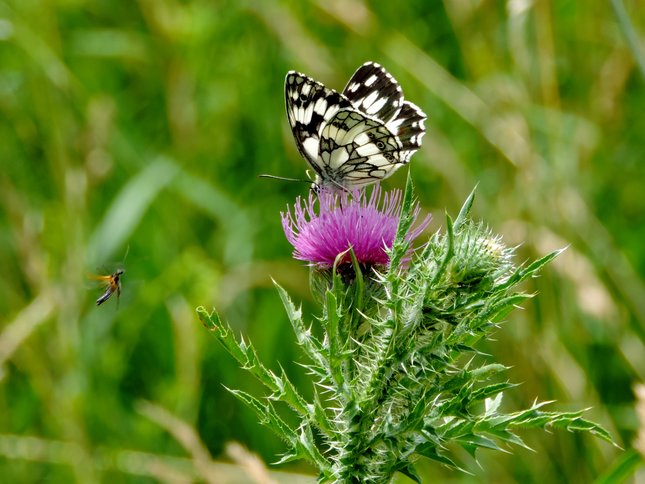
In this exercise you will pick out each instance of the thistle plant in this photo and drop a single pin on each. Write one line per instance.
(396, 374)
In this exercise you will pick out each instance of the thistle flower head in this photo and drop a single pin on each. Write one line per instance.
(480, 259)
(320, 228)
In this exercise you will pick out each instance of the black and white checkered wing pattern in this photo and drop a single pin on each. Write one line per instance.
(358, 137)
(356, 150)
(374, 91)
(310, 106)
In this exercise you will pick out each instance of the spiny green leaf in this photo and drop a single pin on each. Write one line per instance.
(359, 285)
(525, 415)
(499, 307)
(456, 428)
(493, 404)
(244, 354)
(267, 416)
(464, 213)
(319, 413)
(473, 442)
(430, 451)
(288, 457)
(448, 251)
(331, 324)
(337, 354)
(503, 307)
(486, 371)
(301, 443)
(288, 394)
(523, 273)
(406, 218)
(407, 469)
(281, 388)
(501, 434)
(305, 339)
(575, 423)
(422, 405)
(307, 443)
(490, 390)
(211, 321)
(337, 284)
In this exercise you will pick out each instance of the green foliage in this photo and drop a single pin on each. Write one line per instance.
(407, 379)
(145, 125)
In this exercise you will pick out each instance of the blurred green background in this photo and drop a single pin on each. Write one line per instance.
(140, 127)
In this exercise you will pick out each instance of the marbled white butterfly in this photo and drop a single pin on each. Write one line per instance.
(356, 137)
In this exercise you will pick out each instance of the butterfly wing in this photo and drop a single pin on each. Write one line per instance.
(310, 105)
(358, 137)
(356, 150)
(374, 91)
(408, 125)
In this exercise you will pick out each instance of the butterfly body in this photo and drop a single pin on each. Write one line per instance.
(356, 137)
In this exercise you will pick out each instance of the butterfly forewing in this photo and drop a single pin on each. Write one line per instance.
(373, 91)
(358, 137)
(309, 105)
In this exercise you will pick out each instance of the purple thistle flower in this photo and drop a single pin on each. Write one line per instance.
(343, 220)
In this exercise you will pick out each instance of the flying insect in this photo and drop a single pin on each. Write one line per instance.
(112, 285)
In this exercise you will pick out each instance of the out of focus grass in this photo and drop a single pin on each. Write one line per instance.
(144, 125)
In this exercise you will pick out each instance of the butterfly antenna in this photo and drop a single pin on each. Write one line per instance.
(274, 177)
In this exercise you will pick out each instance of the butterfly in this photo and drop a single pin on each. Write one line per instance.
(357, 137)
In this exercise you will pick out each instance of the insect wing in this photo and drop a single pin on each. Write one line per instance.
(105, 296)
(374, 91)
(309, 106)
(112, 283)
(408, 125)
(356, 150)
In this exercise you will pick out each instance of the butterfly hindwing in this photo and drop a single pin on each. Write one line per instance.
(357, 137)
(356, 150)
(408, 124)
